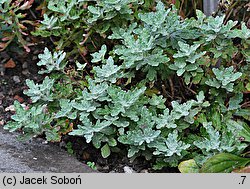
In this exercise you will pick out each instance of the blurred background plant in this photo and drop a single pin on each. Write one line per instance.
(16, 18)
(238, 10)
(187, 8)
(20, 18)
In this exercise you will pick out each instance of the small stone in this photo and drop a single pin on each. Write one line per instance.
(144, 171)
(25, 72)
(1, 122)
(16, 79)
(34, 58)
(10, 108)
(45, 142)
(105, 168)
(128, 170)
(25, 65)
(37, 52)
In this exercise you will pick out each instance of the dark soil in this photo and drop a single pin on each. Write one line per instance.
(12, 84)
(115, 163)
(12, 80)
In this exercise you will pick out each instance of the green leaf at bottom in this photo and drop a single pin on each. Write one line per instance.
(105, 150)
(188, 166)
(224, 163)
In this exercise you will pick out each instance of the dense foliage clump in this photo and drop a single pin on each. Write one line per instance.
(142, 80)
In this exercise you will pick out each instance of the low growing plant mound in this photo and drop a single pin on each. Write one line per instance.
(146, 82)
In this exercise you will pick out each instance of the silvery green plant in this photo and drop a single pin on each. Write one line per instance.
(51, 61)
(224, 78)
(40, 91)
(116, 100)
(33, 122)
(108, 9)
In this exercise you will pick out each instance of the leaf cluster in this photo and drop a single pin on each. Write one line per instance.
(117, 97)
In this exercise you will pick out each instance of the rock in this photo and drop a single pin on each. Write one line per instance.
(128, 169)
(16, 79)
(45, 142)
(36, 52)
(144, 171)
(1, 122)
(25, 72)
(34, 157)
(34, 58)
(10, 108)
(25, 65)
